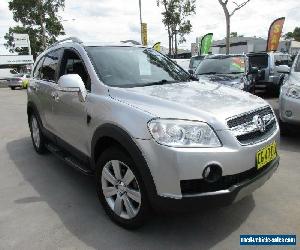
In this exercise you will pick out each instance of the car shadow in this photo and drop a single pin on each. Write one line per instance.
(73, 198)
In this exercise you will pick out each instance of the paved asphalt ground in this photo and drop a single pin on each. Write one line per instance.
(44, 204)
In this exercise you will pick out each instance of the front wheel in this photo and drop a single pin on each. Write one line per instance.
(12, 88)
(37, 137)
(120, 189)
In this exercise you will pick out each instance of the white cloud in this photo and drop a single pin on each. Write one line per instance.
(115, 20)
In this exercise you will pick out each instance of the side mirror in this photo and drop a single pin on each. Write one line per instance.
(253, 70)
(73, 83)
(284, 69)
(191, 71)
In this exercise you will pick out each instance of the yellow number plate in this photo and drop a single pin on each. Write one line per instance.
(265, 155)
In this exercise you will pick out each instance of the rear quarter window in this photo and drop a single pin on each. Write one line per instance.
(50, 65)
(36, 71)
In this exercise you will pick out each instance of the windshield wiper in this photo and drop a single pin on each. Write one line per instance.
(161, 82)
(236, 72)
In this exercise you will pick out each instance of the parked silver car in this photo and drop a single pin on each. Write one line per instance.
(152, 136)
(267, 62)
(289, 100)
(230, 70)
(17, 81)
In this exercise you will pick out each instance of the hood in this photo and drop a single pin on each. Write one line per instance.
(201, 101)
(226, 79)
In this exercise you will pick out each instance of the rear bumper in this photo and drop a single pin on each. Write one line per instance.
(218, 198)
(270, 81)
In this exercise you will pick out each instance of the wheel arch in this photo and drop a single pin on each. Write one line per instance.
(32, 109)
(111, 135)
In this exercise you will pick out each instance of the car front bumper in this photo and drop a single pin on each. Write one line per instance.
(171, 166)
(217, 198)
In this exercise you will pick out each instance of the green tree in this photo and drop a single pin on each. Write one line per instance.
(39, 19)
(296, 34)
(175, 18)
(288, 35)
(235, 34)
(293, 35)
(228, 15)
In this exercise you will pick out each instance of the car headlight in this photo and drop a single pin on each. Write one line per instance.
(182, 133)
(293, 91)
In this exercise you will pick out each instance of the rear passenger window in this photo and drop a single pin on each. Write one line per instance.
(50, 65)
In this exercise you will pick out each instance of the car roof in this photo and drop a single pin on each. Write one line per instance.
(266, 53)
(77, 42)
(223, 56)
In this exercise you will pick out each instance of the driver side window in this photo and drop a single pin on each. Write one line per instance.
(72, 64)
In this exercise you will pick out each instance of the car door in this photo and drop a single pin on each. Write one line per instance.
(69, 113)
(44, 85)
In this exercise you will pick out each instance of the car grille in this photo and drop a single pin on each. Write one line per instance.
(246, 128)
(198, 186)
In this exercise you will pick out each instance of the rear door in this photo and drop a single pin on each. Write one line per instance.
(46, 86)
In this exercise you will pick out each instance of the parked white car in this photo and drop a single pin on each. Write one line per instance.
(289, 100)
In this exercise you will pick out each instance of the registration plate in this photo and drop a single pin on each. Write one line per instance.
(266, 155)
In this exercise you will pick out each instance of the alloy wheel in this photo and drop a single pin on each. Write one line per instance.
(120, 189)
(35, 132)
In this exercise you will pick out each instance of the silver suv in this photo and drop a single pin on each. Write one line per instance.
(152, 136)
(267, 62)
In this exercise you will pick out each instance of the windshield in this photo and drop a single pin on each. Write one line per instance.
(195, 61)
(134, 67)
(222, 65)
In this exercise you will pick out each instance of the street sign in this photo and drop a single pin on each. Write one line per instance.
(144, 34)
(15, 60)
(21, 40)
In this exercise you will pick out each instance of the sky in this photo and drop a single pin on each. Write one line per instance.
(116, 20)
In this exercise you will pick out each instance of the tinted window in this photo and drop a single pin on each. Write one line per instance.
(132, 66)
(36, 72)
(49, 68)
(259, 61)
(222, 65)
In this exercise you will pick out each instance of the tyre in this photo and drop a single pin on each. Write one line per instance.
(12, 88)
(120, 189)
(37, 137)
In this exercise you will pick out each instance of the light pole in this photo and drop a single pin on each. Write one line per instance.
(140, 7)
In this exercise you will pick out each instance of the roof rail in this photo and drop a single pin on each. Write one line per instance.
(72, 39)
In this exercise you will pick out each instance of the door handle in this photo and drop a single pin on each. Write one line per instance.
(55, 96)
